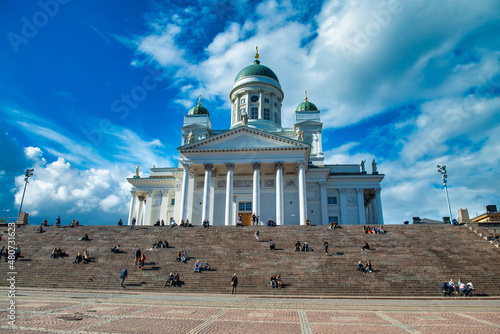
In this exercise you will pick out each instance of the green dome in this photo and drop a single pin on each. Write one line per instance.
(198, 110)
(306, 106)
(256, 69)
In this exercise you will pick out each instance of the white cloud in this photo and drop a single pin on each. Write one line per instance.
(92, 196)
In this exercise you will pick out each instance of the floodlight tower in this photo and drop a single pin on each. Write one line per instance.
(442, 171)
(29, 172)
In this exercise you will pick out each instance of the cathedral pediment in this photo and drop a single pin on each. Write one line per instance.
(244, 139)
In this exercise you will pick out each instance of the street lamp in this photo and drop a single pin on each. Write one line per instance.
(442, 171)
(29, 172)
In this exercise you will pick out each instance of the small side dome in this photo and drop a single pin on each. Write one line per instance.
(306, 106)
(198, 109)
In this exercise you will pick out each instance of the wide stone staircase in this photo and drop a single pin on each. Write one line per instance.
(409, 260)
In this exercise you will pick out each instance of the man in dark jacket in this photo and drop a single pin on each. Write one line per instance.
(234, 284)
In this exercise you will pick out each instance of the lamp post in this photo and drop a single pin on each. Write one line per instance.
(29, 172)
(442, 171)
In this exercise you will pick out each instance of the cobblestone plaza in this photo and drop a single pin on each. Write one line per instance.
(95, 312)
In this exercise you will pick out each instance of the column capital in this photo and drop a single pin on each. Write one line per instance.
(186, 166)
(149, 193)
(322, 184)
(208, 167)
(301, 164)
(377, 190)
(164, 192)
(256, 165)
(360, 190)
(229, 166)
(278, 165)
(343, 191)
(133, 192)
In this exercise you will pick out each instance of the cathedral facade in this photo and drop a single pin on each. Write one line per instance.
(256, 167)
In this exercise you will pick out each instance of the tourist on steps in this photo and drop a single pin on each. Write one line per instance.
(365, 246)
(361, 268)
(325, 244)
(123, 275)
(234, 284)
(137, 255)
(369, 267)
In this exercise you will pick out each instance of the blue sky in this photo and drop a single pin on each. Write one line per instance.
(89, 89)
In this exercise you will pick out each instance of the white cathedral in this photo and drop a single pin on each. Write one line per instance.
(256, 167)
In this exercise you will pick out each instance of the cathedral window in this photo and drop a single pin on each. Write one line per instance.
(266, 100)
(267, 115)
(172, 201)
(275, 117)
(332, 200)
(242, 101)
(254, 113)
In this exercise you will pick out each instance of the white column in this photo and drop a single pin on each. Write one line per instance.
(164, 206)
(370, 212)
(190, 196)
(149, 206)
(324, 203)
(238, 114)
(261, 112)
(361, 205)
(206, 191)
(343, 206)
(378, 202)
(302, 193)
(367, 214)
(229, 193)
(256, 188)
(279, 193)
(184, 193)
(212, 195)
(139, 214)
(133, 204)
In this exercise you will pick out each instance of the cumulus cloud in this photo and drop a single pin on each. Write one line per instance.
(93, 196)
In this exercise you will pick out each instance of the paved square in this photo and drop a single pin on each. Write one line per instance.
(144, 313)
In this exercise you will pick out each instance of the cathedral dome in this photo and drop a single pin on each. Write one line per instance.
(198, 109)
(306, 106)
(256, 69)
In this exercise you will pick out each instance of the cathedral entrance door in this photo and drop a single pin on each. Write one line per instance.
(246, 218)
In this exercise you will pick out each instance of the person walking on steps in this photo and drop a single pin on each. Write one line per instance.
(325, 244)
(123, 275)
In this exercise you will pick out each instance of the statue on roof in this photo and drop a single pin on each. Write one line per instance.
(190, 137)
(137, 170)
(244, 119)
(374, 167)
(299, 135)
(363, 166)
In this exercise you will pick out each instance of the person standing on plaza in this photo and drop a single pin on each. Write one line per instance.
(132, 224)
(234, 284)
(123, 275)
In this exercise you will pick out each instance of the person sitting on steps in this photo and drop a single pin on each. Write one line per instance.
(305, 247)
(184, 256)
(170, 280)
(361, 268)
(86, 257)
(272, 281)
(176, 282)
(365, 246)
(278, 281)
(369, 267)
(272, 245)
(297, 246)
(78, 259)
(179, 256)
